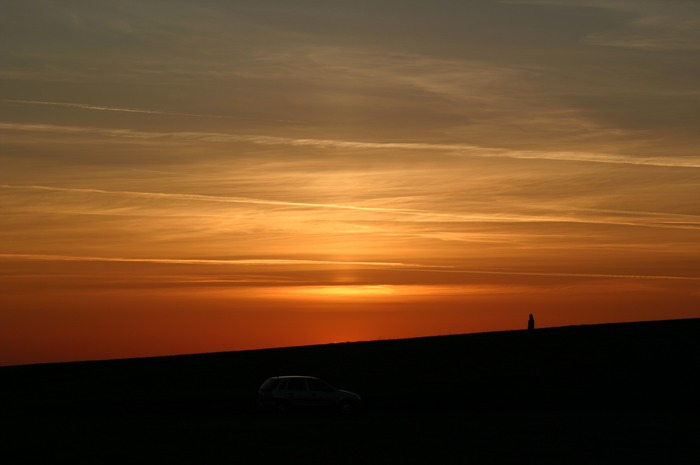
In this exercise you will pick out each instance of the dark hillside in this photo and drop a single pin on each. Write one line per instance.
(588, 394)
(609, 366)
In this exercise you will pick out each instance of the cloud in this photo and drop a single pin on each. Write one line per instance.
(391, 222)
(85, 106)
(651, 25)
(291, 262)
(465, 150)
(173, 261)
(146, 111)
(571, 275)
(210, 198)
(463, 98)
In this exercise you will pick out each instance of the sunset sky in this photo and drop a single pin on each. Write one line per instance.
(186, 176)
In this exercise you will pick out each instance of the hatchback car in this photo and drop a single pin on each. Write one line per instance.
(283, 393)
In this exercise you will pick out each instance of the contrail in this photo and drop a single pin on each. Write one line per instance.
(87, 106)
(565, 275)
(636, 212)
(212, 198)
(412, 267)
(176, 261)
(465, 150)
(427, 215)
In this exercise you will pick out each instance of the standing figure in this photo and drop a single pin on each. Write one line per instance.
(531, 323)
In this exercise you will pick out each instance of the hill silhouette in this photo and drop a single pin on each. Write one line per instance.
(608, 391)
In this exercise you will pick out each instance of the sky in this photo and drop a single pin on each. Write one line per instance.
(189, 176)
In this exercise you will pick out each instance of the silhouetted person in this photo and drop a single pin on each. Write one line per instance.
(531, 323)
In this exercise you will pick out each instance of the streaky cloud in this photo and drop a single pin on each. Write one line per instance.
(412, 267)
(211, 198)
(425, 216)
(246, 261)
(636, 212)
(653, 25)
(565, 275)
(466, 150)
(87, 106)
(147, 111)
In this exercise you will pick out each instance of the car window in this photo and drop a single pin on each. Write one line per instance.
(318, 385)
(296, 385)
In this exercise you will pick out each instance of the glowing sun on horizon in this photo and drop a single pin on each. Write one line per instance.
(349, 291)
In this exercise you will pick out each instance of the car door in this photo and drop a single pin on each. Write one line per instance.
(321, 394)
(297, 392)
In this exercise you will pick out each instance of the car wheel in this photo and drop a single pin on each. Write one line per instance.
(348, 407)
(283, 407)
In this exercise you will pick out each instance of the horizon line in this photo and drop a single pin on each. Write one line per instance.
(324, 344)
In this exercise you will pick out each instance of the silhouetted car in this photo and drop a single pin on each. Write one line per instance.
(283, 393)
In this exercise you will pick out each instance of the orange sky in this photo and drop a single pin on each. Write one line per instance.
(211, 176)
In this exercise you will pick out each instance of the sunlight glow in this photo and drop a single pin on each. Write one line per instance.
(346, 291)
(323, 173)
(381, 292)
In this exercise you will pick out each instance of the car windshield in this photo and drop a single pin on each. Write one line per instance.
(269, 384)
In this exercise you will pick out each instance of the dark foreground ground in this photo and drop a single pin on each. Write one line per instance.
(603, 394)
